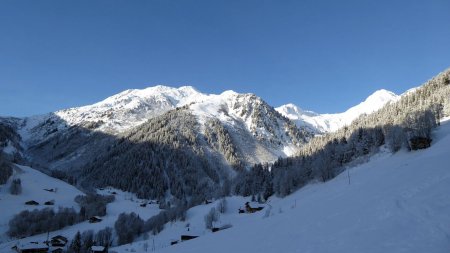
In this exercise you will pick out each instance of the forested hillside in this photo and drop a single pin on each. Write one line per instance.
(9, 148)
(166, 155)
(405, 124)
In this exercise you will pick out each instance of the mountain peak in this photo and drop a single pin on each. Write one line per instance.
(229, 93)
(381, 95)
(372, 103)
(290, 110)
(332, 122)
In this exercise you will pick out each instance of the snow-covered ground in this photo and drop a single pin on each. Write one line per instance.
(33, 184)
(394, 203)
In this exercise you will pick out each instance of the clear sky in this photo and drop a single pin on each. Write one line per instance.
(321, 55)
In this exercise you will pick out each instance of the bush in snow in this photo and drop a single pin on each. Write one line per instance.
(211, 217)
(128, 227)
(178, 212)
(104, 237)
(93, 205)
(28, 223)
(87, 240)
(222, 206)
(16, 187)
(5, 169)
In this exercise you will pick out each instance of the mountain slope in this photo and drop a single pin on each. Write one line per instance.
(256, 131)
(394, 203)
(33, 185)
(113, 115)
(192, 150)
(323, 123)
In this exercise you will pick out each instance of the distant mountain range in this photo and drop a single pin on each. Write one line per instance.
(259, 132)
(176, 138)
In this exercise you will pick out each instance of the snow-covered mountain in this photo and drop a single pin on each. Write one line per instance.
(257, 131)
(323, 123)
(131, 107)
(113, 115)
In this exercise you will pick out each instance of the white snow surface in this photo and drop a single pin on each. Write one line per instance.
(323, 123)
(394, 203)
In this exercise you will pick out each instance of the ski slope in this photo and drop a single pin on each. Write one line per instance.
(394, 203)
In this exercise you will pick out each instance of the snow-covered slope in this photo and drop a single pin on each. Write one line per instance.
(322, 123)
(260, 132)
(33, 185)
(394, 203)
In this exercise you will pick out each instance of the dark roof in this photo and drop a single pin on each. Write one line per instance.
(32, 202)
(59, 237)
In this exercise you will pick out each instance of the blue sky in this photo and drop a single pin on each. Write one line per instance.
(321, 55)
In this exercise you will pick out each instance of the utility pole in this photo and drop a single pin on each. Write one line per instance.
(348, 175)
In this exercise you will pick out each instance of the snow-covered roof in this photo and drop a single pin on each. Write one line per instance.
(97, 248)
(33, 246)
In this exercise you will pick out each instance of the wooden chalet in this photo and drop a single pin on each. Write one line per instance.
(188, 237)
(98, 249)
(32, 203)
(250, 209)
(94, 219)
(59, 241)
(49, 203)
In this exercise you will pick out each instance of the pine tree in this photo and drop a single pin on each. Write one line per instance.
(75, 245)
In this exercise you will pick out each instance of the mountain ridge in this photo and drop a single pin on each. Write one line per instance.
(330, 122)
(260, 132)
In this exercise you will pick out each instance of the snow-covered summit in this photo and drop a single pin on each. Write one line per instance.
(133, 97)
(331, 122)
(131, 107)
(294, 111)
(114, 114)
(373, 103)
